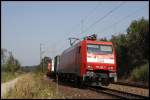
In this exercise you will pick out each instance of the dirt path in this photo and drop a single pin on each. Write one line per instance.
(5, 87)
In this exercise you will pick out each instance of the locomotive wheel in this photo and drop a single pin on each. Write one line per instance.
(105, 82)
(80, 83)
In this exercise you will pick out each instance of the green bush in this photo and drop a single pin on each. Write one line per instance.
(141, 73)
(6, 76)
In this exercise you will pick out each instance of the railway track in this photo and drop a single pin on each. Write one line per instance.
(132, 84)
(112, 92)
(117, 93)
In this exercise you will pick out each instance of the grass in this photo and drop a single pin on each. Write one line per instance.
(141, 73)
(7, 76)
(32, 86)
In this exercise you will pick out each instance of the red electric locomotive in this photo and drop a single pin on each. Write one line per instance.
(90, 62)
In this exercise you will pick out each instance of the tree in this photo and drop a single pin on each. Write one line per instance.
(132, 48)
(3, 55)
(103, 39)
(121, 50)
(138, 41)
(12, 64)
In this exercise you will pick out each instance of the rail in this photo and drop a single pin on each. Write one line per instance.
(112, 92)
(117, 93)
(132, 84)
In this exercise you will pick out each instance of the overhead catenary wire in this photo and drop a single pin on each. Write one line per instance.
(103, 17)
(77, 25)
(85, 17)
(62, 40)
(123, 19)
(96, 22)
(90, 12)
(120, 32)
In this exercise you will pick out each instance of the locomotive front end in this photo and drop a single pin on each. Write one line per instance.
(101, 63)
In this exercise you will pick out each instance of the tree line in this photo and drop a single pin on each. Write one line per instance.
(133, 47)
(8, 62)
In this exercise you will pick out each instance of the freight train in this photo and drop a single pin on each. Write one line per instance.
(88, 62)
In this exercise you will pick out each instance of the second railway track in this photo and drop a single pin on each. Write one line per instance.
(112, 92)
(117, 93)
(132, 84)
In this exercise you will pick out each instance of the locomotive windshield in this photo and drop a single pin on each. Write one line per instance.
(99, 49)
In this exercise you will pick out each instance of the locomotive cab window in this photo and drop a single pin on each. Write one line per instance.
(102, 49)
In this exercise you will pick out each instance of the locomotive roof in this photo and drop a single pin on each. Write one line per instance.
(87, 41)
(99, 42)
(72, 47)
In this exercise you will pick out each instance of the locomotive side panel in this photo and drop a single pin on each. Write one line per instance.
(70, 61)
(83, 59)
(78, 60)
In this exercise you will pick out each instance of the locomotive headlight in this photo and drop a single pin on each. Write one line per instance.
(90, 67)
(97, 66)
(101, 67)
(110, 68)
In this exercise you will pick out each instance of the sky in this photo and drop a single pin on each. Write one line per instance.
(27, 24)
